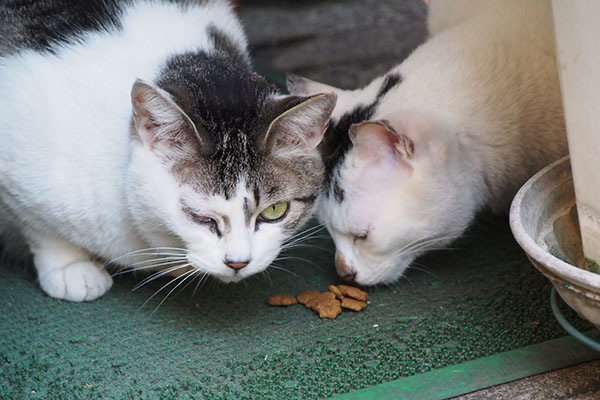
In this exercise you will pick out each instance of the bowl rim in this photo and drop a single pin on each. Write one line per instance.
(564, 270)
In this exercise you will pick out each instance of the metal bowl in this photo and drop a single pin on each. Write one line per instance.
(543, 219)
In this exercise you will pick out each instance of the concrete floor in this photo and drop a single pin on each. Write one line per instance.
(581, 382)
(347, 43)
(343, 42)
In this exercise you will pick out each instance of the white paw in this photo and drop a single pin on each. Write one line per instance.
(79, 281)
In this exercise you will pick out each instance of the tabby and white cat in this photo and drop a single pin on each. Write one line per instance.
(457, 127)
(139, 124)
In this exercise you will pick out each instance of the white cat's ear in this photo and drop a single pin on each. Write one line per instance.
(377, 141)
(299, 86)
(159, 121)
(301, 127)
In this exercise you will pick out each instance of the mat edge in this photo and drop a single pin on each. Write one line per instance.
(481, 373)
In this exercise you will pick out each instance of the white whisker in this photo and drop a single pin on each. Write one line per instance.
(164, 286)
(310, 246)
(196, 273)
(159, 274)
(299, 259)
(151, 264)
(422, 249)
(308, 230)
(304, 240)
(312, 236)
(422, 268)
(284, 270)
(267, 276)
(201, 281)
(187, 275)
(304, 235)
(150, 251)
(421, 244)
(149, 267)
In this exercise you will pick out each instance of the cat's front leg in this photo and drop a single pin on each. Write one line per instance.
(66, 271)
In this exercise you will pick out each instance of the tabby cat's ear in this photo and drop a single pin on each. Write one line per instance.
(161, 124)
(376, 141)
(300, 86)
(301, 127)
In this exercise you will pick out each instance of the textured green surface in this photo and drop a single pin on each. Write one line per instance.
(479, 299)
(481, 373)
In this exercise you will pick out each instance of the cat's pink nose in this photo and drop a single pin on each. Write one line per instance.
(342, 268)
(237, 265)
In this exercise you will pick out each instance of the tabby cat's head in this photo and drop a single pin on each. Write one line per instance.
(227, 172)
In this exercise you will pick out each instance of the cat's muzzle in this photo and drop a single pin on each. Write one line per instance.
(343, 269)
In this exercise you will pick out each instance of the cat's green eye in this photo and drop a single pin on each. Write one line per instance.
(274, 212)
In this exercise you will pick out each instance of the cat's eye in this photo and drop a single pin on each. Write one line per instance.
(361, 236)
(203, 220)
(274, 212)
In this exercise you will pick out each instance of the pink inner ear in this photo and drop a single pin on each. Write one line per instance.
(373, 142)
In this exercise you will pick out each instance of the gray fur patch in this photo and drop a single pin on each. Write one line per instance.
(232, 109)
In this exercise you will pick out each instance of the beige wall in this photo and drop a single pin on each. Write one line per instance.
(577, 33)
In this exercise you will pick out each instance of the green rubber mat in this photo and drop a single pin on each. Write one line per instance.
(483, 373)
(478, 299)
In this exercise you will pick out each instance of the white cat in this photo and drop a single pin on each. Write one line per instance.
(136, 131)
(457, 127)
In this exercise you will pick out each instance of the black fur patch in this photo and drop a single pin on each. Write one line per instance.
(389, 82)
(247, 211)
(337, 143)
(224, 44)
(43, 24)
(338, 192)
(307, 199)
(226, 100)
(256, 195)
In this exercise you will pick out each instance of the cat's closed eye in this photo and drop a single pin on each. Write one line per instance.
(360, 236)
(211, 223)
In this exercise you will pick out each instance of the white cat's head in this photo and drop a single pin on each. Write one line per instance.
(394, 188)
(226, 177)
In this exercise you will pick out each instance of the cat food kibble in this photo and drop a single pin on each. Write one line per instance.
(354, 305)
(351, 291)
(333, 289)
(328, 308)
(318, 298)
(304, 297)
(327, 304)
(281, 300)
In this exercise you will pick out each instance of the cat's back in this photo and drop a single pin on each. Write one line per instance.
(480, 52)
(489, 76)
(67, 67)
(43, 24)
(66, 76)
(66, 72)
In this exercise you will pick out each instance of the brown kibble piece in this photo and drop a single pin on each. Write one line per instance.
(354, 305)
(326, 304)
(281, 300)
(333, 289)
(317, 298)
(329, 309)
(304, 297)
(354, 292)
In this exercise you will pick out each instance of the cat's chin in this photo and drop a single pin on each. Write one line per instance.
(229, 278)
(365, 280)
(382, 274)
